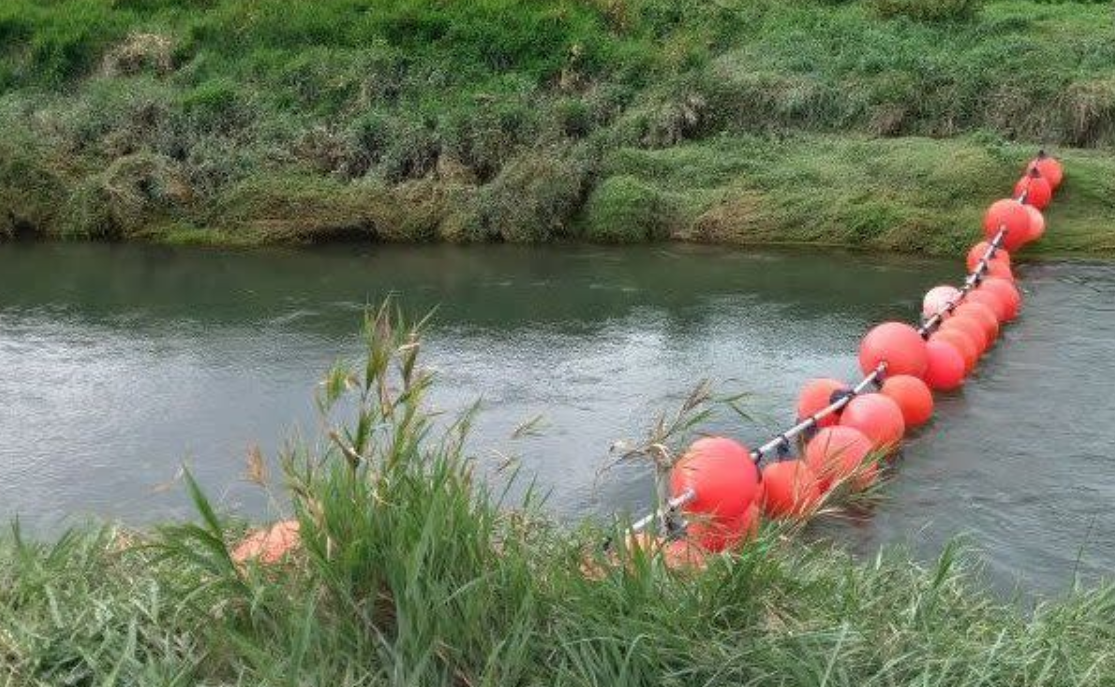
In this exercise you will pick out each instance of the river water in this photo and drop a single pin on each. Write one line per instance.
(120, 363)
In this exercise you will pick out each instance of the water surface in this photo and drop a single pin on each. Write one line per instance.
(120, 362)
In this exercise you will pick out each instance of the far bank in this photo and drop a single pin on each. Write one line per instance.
(872, 124)
(912, 195)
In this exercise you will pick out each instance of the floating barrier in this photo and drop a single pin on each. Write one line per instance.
(1010, 219)
(817, 394)
(913, 397)
(878, 417)
(1048, 167)
(962, 342)
(838, 453)
(946, 370)
(725, 484)
(790, 488)
(1037, 190)
(717, 489)
(898, 345)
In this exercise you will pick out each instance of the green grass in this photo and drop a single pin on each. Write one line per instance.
(908, 194)
(298, 120)
(411, 573)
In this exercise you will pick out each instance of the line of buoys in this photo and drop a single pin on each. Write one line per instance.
(717, 492)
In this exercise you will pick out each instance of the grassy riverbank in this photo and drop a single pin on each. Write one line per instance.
(411, 574)
(877, 123)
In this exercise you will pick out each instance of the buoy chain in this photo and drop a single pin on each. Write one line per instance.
(972, 281)
(728, 474)
(837, 404)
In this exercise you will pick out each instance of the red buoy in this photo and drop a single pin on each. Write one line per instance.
(946, 366)
(999, 268)
(898, 345)
(718, 535)
(912, 396)
(878, 417)
(1037, 189)
(976, 253)
(963, 343)
(790, 489)
(1007, 213)
(1005, 290)
(1037, 223)
(982, 314)
(992, 300)
(750, 522)
(972, 328)
(683, 554)
(817, 394)
(726, 483)
(837, 453)
(1049, 168)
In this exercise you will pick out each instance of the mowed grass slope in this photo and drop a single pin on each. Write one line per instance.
(298, 120)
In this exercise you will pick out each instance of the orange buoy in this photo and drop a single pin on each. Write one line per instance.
(676, 554)
(878, 417)
(714, 534)
(998, 268)
(982, 314)
(790, 489)
(837, 453)
(1037, 189)
(1049, 168)
(937, 299)
(912, 396)
(898, 345)
(726, 482)
(946, 366)
(818, 394)
(1005, 290)
(751, 521)
(992, 300)
(976, 253)
(1007, 213)
(963, 343)
(1037, 223)
(269, 546)
(683, 554)
(972, 328)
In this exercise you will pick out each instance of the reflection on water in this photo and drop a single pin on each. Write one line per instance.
(119, 362)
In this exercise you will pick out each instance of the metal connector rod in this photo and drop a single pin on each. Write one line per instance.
(672, 506)
(813, 420)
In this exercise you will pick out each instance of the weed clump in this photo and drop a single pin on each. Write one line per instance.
(928, 10)
(622, 209)
(535, 198)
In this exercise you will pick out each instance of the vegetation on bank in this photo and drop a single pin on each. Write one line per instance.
(610, 120)
(410, 573)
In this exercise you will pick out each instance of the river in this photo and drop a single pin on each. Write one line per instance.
(119, 363)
